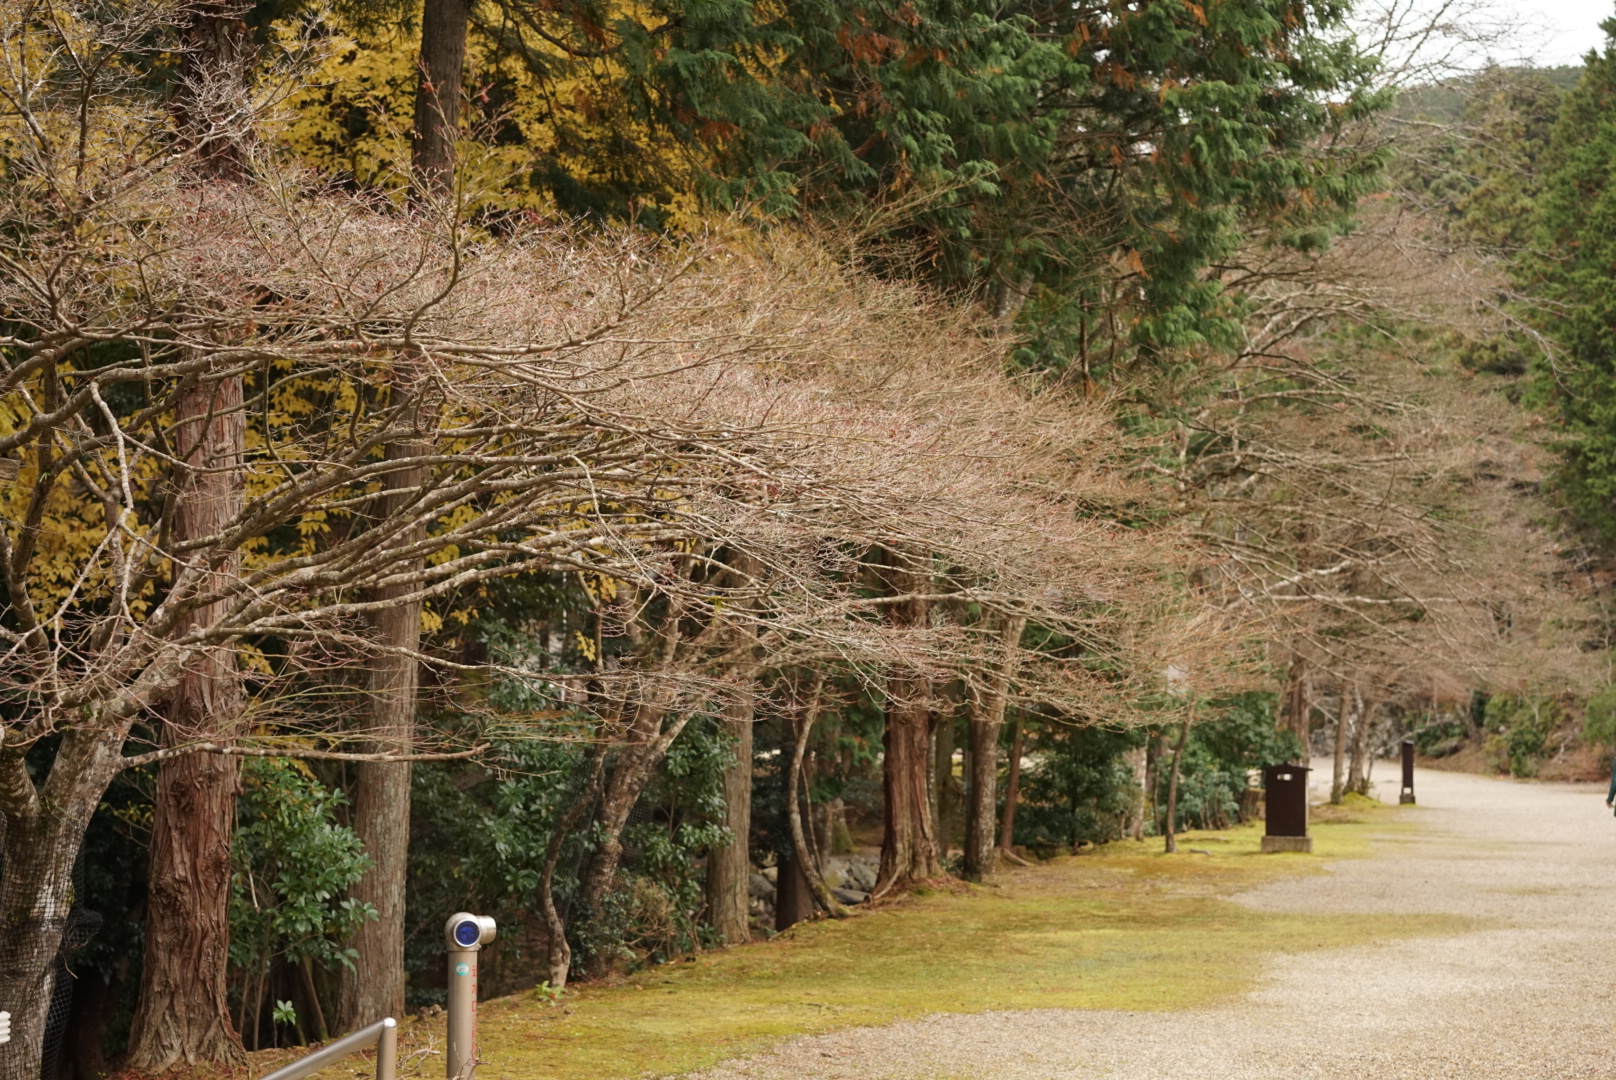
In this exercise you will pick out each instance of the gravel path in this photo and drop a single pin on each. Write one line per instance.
(1530, 994)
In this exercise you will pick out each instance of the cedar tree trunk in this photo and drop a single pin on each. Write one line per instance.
(793, 903)
(986, 720)
(908, 845)
(1012, 789)
(182, 1014)
(437, 95)
(374, 987)
(729, 868)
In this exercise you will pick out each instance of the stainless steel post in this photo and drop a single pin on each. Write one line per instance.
(466, 934)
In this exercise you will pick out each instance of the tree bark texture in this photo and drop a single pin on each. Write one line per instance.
(793, 902)
(374, 987)
(908, 846)
(945, 795)
(437, 95)
(1171, 829)
(182, 1014)
(636, 762)
(559, 953)
(1139, 768)
(40, 843)
(804, 857)
(1297, 703)
(1357, 772)
(1012, 789)
(729, 868)
(1338, 779)
(986, 719)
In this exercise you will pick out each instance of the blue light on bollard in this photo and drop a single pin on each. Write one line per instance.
(465, 934)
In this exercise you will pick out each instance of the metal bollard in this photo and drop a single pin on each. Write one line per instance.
(1406, 796)
(466, 934)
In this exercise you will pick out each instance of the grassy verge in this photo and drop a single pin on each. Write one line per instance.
(1124, 928)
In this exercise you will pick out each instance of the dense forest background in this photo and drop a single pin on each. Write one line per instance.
(657, 473)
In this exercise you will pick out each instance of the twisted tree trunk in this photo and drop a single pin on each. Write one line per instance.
(559, 953)
(802, 856)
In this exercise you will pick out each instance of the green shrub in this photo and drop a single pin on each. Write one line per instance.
(1518, 731)
(1599, 721)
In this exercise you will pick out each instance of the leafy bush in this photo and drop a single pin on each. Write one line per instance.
(1518, 731)
(1599, 721)
(1440, 739)
(1077, 786)
(293, 862)
(1239, 736)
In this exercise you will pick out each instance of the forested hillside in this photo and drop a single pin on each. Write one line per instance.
(656, 474)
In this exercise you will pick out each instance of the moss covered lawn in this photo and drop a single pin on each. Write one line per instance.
(1125, 927)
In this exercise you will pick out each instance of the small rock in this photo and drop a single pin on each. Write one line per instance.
(770, 873)
(850, 896)
(760, 887)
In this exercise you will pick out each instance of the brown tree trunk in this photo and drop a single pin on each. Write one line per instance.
(943, 796)
(182, 1014)
(374, 987)
(1171, 829)
(437, 95)
(803, 856)
(1338, 779)
(1012, 789)
(636, 762)
(559, 953)
(793, 903)
(1153, 742)
(1357, 773)
(40, 842)
(729, 868)
(986, 718)
(1139, 768)
(908, 846)
(1297, 705)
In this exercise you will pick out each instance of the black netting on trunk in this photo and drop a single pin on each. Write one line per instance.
(82, 925)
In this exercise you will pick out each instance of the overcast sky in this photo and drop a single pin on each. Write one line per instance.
(1569, 28)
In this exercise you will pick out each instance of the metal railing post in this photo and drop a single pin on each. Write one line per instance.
(466, 934)
(383, 1034)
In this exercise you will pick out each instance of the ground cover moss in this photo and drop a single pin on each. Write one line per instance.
(1126, 927)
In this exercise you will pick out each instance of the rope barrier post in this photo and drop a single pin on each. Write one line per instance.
(466, 934)
(383, 1034)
